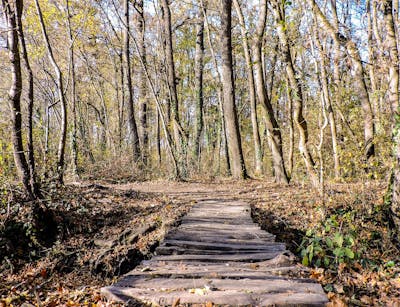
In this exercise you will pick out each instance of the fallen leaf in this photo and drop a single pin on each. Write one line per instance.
(176, 302)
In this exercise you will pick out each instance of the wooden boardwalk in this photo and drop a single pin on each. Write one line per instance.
(218, 256)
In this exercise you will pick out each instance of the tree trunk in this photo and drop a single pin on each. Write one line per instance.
(14, 95)
(359, 81)
(133, 133)
(297, 94)
(252, 93)
(219, 94)
(291, 129)
(393, 96)
(60, 88)
(171, 78)
(74, 143)
(328, 104)
(274, 132)
(199, 67)
(231, 119)
(142, 93)
(31, 153)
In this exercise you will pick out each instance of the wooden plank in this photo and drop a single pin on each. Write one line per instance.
(175, 250)
(221, 246)
(219, 220)
(293, 299)
(256, 285)
(226, 298)
(225, 238)
(278, 261)
(230, 298)
(221, 272)
(218, 258)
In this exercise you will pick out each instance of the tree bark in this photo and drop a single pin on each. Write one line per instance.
(60, 89)
(31, 154)
(219, 94)
(360, 84)
(74, 143)
(231, 119)
(133, 133)
(199, 68)
(142, 90)
(252, 93)
(393, 97)
(274, 132)
(328, 112)
(297, 94)
(171, 78)
(10, 9)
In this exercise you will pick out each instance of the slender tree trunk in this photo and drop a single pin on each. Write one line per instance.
(328, 104)
(158, 139)
(142, 93)
(133, 133)
(231, 119)
(171, 78)
(10, 9)
(60, 88)
(291, 128)
(297, 94)
(31, 153)
(372, 59)
(74, 143)
(274, 132)
(163, 118)
(224, 138)
(252, 93)
(359, 81)
(122, 104)
(393, 96)
(199, 67)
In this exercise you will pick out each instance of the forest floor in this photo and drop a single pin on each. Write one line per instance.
(91, 233)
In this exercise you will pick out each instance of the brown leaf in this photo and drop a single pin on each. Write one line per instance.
(43, 273)
(176, 302)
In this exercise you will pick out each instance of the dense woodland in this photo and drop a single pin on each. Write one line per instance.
(304, 92)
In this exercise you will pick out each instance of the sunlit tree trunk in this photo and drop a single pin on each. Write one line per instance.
(359, 81)
(199, 70)
(10, 9)
(171, 78)
(296, 92)
(252, 93)
(74, 142)
(274, 132)
(133, 133)
(223, 134)
(61, 97)
(142, 89)
(393, 97)
(231, 119)
(328, 103)
(31, 153)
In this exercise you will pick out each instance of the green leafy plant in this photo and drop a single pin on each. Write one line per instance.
(327, 245)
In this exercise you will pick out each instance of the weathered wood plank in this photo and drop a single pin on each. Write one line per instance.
(209, 285)
(224, 272)
(174, 250)
(221, 246)
(219, 258)
(226, 298)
